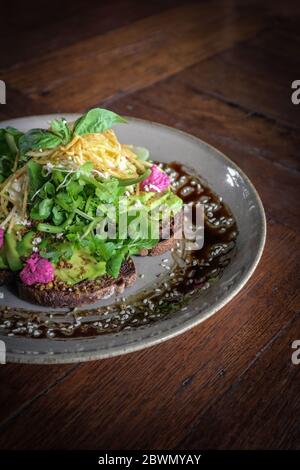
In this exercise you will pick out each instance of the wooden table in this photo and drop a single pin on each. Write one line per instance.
(223, 72)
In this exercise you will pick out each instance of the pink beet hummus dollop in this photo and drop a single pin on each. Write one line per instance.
(37, 270)
(156, 181)
(1, 237)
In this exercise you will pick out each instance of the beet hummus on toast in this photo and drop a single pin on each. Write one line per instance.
(64, 194)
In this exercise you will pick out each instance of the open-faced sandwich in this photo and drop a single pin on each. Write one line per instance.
(64, 194)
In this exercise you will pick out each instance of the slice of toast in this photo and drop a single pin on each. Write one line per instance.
(85, 292)
(167, 244)
(162, 247)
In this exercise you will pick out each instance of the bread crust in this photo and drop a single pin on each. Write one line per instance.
(162, 247)
(165, 245)
(85, 292)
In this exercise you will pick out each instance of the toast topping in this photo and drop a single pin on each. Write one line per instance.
(157, 181)
(37, 270)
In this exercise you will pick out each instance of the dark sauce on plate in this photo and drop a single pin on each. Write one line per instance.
(192, 273)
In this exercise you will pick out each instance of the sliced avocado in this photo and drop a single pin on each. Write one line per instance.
(11, 253)
(82, 267)
(141, 152)
(24, 247)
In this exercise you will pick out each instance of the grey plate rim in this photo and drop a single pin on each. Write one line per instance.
(81, 356)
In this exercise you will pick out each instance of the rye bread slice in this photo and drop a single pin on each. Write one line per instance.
(167, 244)
(85, 292)
(162, 247)
(6, 276)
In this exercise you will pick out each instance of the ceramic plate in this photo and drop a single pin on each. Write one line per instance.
(226, 180)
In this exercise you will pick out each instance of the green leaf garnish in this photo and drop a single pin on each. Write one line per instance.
(96, 120)
(38, 139)
(60, 128)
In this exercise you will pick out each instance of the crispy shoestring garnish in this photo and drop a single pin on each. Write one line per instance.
(108, 156)
(103, 150)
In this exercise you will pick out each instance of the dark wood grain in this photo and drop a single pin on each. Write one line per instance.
(31, 34)
(256, 75)
(267, 152)
(140, 54)
(153, 398)
(221, 71)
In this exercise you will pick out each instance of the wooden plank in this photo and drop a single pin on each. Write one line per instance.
(30, 34)
(105, 405)
(259, 409)
(18, 105)
(255, 75)
(21, 384)
(132, 57)
(265, 151)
